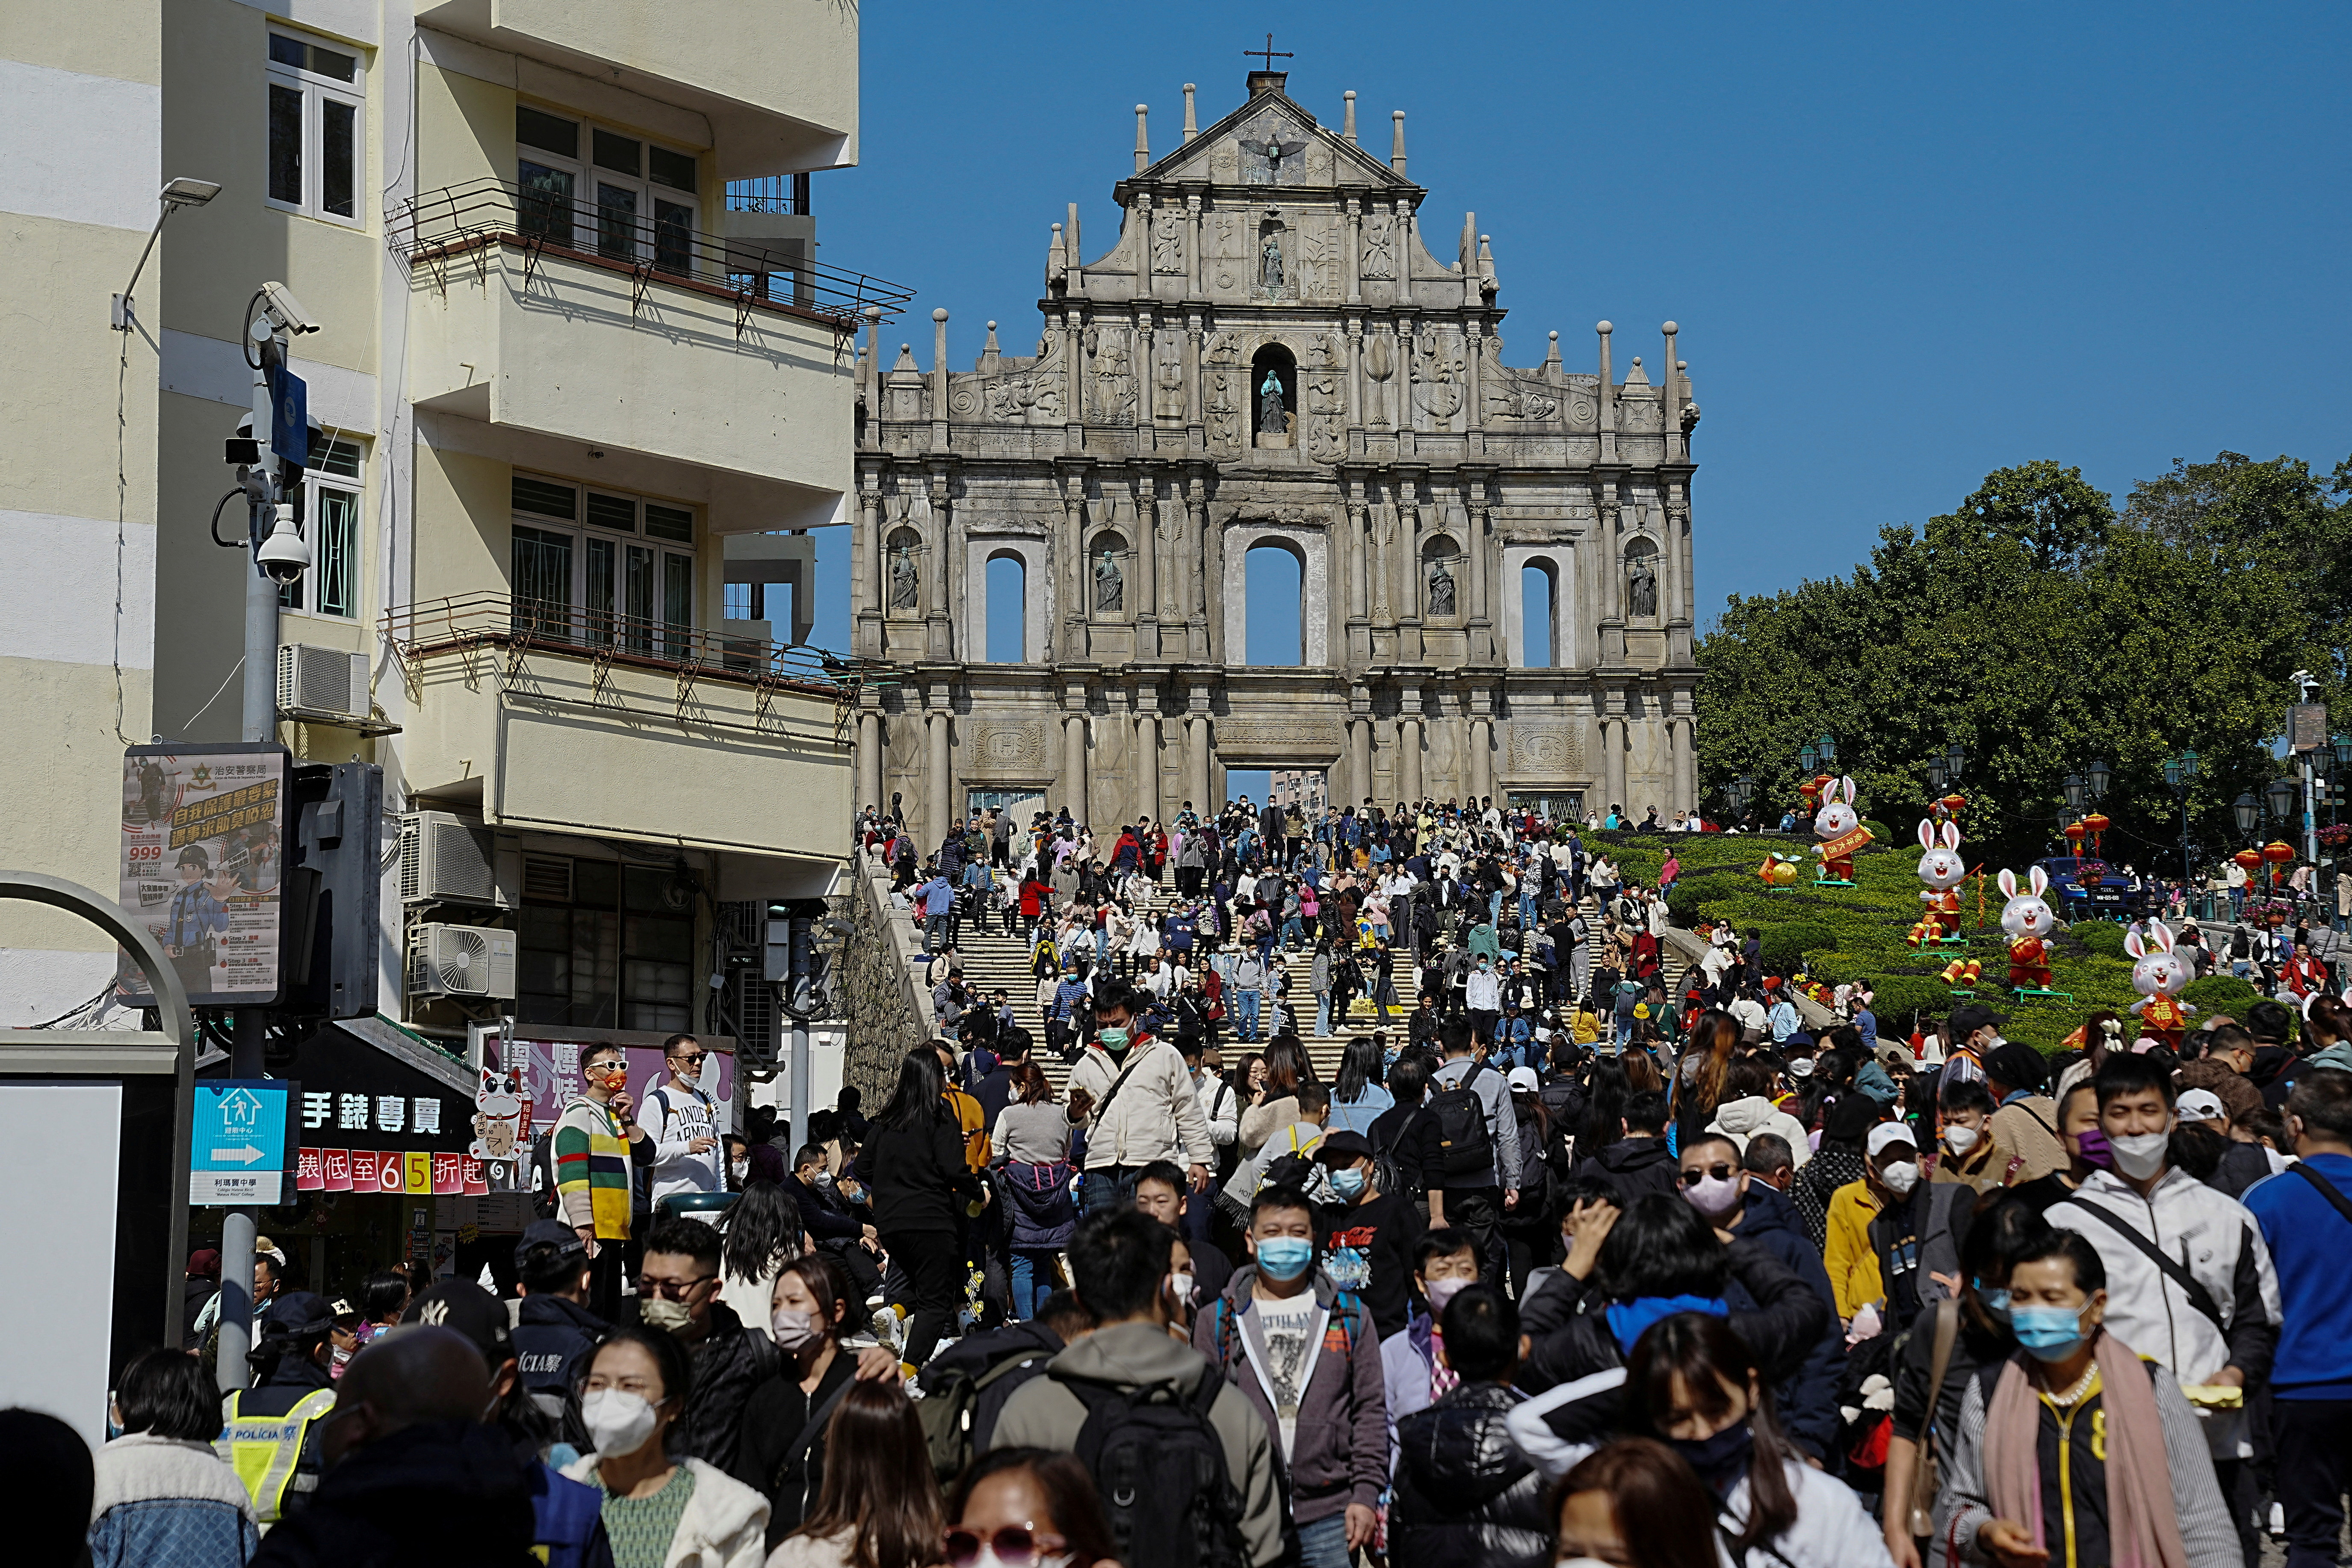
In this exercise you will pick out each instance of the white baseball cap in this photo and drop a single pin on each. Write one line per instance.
(1887, 1134)
(2202, 1105)
(1524, 1078)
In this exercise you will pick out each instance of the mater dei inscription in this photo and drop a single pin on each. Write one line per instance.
(1281, 346)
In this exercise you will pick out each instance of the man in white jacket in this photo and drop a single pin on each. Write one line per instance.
(2190, 1281)
(1137, 1100)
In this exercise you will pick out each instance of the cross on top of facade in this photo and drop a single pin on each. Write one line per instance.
(1269, 53)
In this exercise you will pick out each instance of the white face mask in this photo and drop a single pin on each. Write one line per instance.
(1181, 1286)
(1900, 1177)
(618, 1422)
(739, 1167)
(2140, 1155)
(1959, 1139)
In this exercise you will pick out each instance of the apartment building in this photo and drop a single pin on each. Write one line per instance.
(580, 381)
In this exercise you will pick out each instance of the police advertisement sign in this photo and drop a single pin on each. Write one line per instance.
(203, 860)
(238, 1143)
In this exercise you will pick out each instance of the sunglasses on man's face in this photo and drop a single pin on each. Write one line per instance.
(1015, 1546)
(1720, 1172)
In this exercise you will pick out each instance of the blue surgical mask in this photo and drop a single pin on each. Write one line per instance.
(1994, 1302)
(1285, 1257)
(2048, 1333)
(1348, 1184)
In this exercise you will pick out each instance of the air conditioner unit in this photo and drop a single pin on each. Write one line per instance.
(462, 960)
(448, 858)
(329, 682)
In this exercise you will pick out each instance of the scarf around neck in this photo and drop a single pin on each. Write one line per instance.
(2143, 1530)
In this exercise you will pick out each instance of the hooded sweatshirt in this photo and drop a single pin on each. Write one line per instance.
(1740, 1120)
(1339, 1454)
(1045, 1413)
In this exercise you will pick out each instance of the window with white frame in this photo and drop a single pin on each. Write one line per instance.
(330, 513)
(603, 567)
(594, 188)
(317, 116)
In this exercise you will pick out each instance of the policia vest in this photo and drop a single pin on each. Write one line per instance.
(266, 1450)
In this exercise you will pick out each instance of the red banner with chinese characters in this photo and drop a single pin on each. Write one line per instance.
(1845, 843)
(439, 1172)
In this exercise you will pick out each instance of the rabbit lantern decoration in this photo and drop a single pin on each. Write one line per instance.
(2029, 922)
(1839, 827)
(1942, 868)
(2160, 976)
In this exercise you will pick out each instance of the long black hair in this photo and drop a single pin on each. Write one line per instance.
(916, 1104)
(1702, 1353)
(1359, 1067)
(1604, 1109)
(763, 1229)
(1661, 1246)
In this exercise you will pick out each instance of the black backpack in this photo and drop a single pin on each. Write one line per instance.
(1466, 1147)
(1159, 1469)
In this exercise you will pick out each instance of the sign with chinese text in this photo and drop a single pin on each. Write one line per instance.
(203, 854)
(238, 1148)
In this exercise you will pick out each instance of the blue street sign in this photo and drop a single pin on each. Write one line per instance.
(289, 416)
(238, 1152)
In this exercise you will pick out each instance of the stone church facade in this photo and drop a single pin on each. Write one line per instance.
(1270, 355)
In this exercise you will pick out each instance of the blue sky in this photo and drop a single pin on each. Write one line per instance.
(1903, 248)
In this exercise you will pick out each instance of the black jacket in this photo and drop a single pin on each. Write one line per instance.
(823, 1215)
(770, 1458)
(445, 1492)
(1635, 1167)
(1567, 1326)
(918, 1176)
(551, 1334)
(1464, 1493)
(976, 1354)
(1806, 1401)
(730, 1363)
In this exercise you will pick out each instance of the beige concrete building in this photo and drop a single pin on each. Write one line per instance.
(579, 377)
(1275, 351)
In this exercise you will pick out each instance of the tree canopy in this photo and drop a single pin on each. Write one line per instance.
(2041, 628)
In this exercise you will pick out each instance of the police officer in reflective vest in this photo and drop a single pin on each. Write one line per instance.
(271, 1433)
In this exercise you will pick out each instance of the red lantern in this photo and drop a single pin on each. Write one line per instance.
(2277, 852)
(2075, 831)
(1953, 802)
(2249, 860)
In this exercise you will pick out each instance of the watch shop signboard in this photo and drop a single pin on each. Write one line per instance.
(371, 1123)
(203, 856)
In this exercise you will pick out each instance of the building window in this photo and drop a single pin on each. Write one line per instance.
(603, 567)
(316, 115)
(604, 946)
(580, 183)
(330, 514)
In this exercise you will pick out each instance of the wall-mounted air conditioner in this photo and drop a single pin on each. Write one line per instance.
(462, 960)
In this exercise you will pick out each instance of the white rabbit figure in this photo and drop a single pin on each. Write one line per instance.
(1839, 827)
(2160, 975)
(1942, 868)
(2029, 922)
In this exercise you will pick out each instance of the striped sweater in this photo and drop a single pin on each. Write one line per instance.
(593, 1168)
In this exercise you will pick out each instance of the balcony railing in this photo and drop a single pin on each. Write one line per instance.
(522, 625)
(786, 193)
(435, 226)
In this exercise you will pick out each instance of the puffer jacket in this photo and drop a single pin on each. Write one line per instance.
(1740, 1120)
(1783, 1329)
(2218, 1240)
(728, 1362)
(1464, 1492)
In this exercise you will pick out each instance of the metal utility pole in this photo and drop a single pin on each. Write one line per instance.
(2310, 813)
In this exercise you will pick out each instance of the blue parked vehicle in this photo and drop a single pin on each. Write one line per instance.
(2087, 888)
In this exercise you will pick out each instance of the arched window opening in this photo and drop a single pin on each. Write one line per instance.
(1277, 630)
(1274, 395)
(1008, 609)
(1537, 597)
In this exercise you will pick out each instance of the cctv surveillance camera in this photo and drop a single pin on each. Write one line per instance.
(285, 309)
(285, 555)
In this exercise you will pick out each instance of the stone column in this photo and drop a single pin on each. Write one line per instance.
(1146, 563)
(939, 638)
(1355, 250)
(1147, 751)
(1073, 574)
(869, 758)
(1212, 574)
(1408, 742)
(1194, 581)
(1482, 571)
(1196, 754)
(1359, 750)
(870, 572)
(1074, 759)
(1613, 739)
(939, 802)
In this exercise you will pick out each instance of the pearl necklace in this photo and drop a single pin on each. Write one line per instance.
(2074, 1394)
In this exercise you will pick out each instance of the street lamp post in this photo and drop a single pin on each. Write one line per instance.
(2179, 774)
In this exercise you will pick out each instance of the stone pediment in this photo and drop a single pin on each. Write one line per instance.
(1270, 143)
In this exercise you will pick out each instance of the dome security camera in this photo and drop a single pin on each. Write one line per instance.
(285, 555)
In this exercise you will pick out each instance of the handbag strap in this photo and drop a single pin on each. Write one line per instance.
(1939, 1362)
(2172, 1267)
(2342, 1204)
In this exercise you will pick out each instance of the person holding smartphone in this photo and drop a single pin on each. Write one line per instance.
(596, 1146)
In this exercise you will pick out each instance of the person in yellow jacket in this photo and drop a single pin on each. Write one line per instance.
(271, 1432)
(1890, 1170)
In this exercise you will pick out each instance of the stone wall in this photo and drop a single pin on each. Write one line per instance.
(884, 1025)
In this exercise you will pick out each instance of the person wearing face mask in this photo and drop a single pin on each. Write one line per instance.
(271, 1432)
(2086, 1150)
(1916, 1236)
(1692, 1383)
(1741, 1207)
(782, 1455)
(677, 1294)
(1308, 1356)
(2075, 1450)
(596, 1147)
(1369, 1240)
(1931, 1370)
(1134, 1097)
(1889, 1172)
(658, 1509)
(1413, 1375)
(2189, 1279)
(1027, 1508)
(1971, 1156)
(739, 1160)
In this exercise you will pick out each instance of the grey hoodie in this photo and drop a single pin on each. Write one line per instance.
(1045, 1415)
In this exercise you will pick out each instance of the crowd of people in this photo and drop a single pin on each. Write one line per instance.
(1556, 1269)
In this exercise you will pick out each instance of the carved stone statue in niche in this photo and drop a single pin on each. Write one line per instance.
(1441, 589)
(1110, 587)
(1271, 420)
(1226, 390)
(1113, 384)
(1380, 258)
(905, 590)
(1641, 584)
(1167, 244)
(1168, 381)
(1269, 265)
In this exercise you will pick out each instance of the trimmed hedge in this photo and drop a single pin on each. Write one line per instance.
(2222, 994)
(2105, 938)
